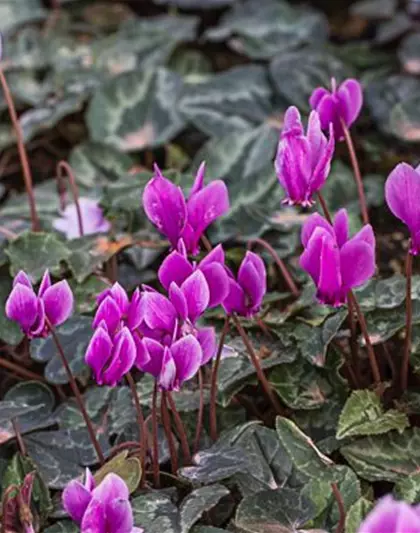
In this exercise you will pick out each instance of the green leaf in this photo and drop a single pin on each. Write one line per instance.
(389, 457)
(88, 254)
(74, 336)
(234, 100)
(196, 4)
(64, 526)
(363, 415)
(15, 474)
(156, 513)
(283, 510)
(127, 468)
(261, 31)
(85, 293)
(316, 68)
(356, 514)
(408, 488)
(136, 110)
(14, 14)
(36, 252)
(198, 502)
(408, 53)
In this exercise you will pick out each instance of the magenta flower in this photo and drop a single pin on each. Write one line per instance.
(53, 303)
(102, 509)
(93, 219)
(111, 356)
(174, 364)
(402, 193)
(303, 162)
(116, 309)
(340, 104)
(336, 263)
(391, 516)
(247, 291)
(176, 268)
(174, 216)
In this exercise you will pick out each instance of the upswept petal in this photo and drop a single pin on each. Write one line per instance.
(317, 140)
(75, 499)
(45, 283)
(178, 300)
(391, 515)
(99, 352)
(157, 311)
(205, 206)
(168, 372)
(350, 96)
(217, 255)
(109, 312)
(293, 167)
(207, 339)
(165, 206)
(235, 301)
(120, 297)
(357, 260)
(329, 284)
(341, 227)
(123, 356)
(187, 355)
(134, 317)
(22, 306)
(197, 294)
(94, 519)
(217, 281)
(22, 278)
(310, 260)
(111, 488)
(142, 355)
(155, 353)
(318, 94)
(58, 302)
(323, 164)
(312, 223)
(253, 278)
(367, 235)
(174, 268)
(402, 191)
(199, 179)
(292, 123)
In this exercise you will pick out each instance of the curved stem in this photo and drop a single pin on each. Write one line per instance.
(353, 344)
(27, 175)
(200, 413)
(324, 207)
(371, 352)
(180, 430)
(155, 458)
(213, 385)
(168, 432)
(280, 263)
(21, 371)
(141, 425)
(341, 508)
(21, 444)
(356, 172)
(409, 322)
(206, 243)
(63, 170)
(256, 362)
(76, 392)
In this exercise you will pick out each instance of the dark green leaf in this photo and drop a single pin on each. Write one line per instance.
(64, 526)
(14, 14)
(155, 513)
(356, 514)
(198, 502)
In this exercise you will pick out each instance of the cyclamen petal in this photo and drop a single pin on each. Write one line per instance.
(217, 280)
(197, 294)
(45, 283)
(123, 357)
(174, 268)
(58, 302)
(93, 220)
(167, 376)
(76, 497)
(22, 306)
(207, 339)
(187, 356)
(391, 516)
(23, 279)
(109, 312)
(98, 353)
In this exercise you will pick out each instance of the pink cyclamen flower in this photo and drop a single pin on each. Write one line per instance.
(111, 356)
(336, 263)
(53, 303)
(303, 162)
(176, 217)
(117, 309)
(391, 516)
(176, 268)
(172, 365)
(341, 104)
(102, 509)
(402, 194)
(247, 291)
(92, 215)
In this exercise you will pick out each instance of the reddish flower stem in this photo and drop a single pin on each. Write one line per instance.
(65, 170)
(26, 169)
(341, 509)
(21, 444)
(20, 370)
(279, 262)
(76, 392)
(206, 243)
(155, 461)
(200, 412)
(256, 362)
(166, 420)
(180, 430)
(324, 207)
(141, 425)
(353, 343)
(371, 352)
(409, 321)
(213, 384)
(356, 172)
